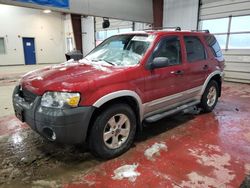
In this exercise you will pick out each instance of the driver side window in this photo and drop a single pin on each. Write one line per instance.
(169, 47)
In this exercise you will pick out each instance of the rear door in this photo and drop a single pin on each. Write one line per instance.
(197, 61)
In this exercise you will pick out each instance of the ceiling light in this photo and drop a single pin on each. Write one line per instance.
(47, 11)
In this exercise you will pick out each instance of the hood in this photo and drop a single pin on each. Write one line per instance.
(71, 76)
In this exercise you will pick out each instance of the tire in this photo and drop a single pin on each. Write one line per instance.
(210, 97)
(119, 135)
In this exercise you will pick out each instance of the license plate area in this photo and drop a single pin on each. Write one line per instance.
(19, 113)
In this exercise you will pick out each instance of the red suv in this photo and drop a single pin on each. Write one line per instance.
(128, 79)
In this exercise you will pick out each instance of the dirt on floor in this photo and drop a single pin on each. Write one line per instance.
(28, 159)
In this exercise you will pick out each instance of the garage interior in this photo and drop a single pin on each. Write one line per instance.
(190, 150)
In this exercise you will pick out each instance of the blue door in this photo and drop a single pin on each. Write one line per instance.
(29, 51)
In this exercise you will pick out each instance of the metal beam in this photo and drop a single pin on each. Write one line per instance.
(130, 10)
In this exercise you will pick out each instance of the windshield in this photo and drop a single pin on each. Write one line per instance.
(121, 50)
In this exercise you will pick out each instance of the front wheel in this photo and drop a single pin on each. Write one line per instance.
(113, 131)
(210, 96)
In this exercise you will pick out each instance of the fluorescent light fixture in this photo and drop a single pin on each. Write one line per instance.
(46, 11)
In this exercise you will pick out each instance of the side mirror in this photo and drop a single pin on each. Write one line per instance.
(159, 62)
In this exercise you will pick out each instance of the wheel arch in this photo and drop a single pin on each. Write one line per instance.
(216, 76)
(128, 97)
(218, 79)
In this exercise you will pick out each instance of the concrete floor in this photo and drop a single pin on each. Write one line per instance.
(206, 150)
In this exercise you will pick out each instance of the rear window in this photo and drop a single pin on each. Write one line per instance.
(214, 45)
(195, 49)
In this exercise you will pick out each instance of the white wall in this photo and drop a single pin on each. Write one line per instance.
(47, 29)
(182, 13)
(88, 34)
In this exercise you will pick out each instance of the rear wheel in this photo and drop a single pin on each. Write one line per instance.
(113, 131)
(210, 96)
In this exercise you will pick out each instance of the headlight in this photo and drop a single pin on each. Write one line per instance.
(60, 99)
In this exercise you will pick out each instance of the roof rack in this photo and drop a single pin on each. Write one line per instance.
(162, 28)
(205, 31)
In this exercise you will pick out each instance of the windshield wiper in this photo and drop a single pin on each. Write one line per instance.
(96, 60)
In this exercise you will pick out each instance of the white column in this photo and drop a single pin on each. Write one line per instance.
(69, 34)
(88, 34)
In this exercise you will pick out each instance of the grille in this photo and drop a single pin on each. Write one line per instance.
(27, 95)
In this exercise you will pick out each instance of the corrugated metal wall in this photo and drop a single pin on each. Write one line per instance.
(223, 8)
(237, 65)
(237, 60)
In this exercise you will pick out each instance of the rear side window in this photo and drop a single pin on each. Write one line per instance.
(195, 49)
(214, 45)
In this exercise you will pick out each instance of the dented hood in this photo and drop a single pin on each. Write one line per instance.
(69, 77)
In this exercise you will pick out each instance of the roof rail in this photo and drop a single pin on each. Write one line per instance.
(162, 28)
(205, 31)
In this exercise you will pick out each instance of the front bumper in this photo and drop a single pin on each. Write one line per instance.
(61, 125)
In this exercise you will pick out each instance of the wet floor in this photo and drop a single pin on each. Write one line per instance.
(205, 150)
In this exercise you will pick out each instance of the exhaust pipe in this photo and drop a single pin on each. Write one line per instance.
(49, 134)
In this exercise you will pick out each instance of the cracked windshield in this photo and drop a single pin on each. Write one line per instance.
(122, 50)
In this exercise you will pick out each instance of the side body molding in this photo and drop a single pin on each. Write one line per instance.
(121, 93)
(130, 93)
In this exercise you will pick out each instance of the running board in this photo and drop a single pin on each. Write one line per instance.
(183, 108)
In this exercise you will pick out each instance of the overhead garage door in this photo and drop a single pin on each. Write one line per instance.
(116, 26)
(229, 20)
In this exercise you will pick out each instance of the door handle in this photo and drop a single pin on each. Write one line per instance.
(205, 67)
(178, 72)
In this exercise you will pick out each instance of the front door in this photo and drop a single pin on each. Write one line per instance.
(29, 51)
(164, 86)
